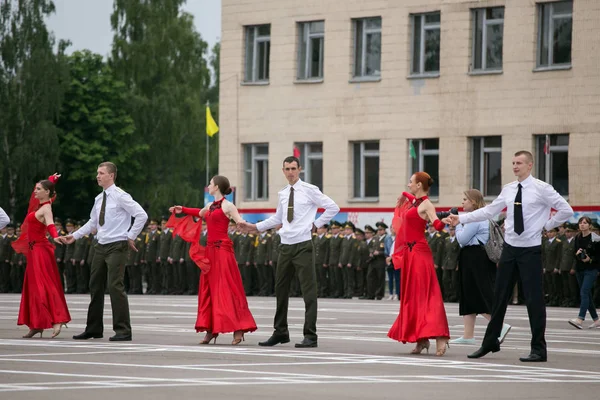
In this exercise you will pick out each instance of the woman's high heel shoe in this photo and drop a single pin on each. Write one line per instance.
(423, 345)
(33, 332)
(238, 340)
(56, 329)
(440, 351)
(209, 337)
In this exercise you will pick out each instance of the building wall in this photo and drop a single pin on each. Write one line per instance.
(516, 104)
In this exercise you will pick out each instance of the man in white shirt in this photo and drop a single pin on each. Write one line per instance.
(111, 217)
(296, 210)
(4, 220)
(528, 202)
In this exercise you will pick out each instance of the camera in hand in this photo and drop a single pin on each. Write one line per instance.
(583, 255)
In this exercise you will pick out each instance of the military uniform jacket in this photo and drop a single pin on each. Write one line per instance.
(263, 250)
(275, 248)
(335, 250)
(152, 246)
(134, 257)
(348, 249)
(375, 245)
(164, 247)
(9, 251)
(177, 248)
(70, 252)
(59, 251)
(551, 254)
(435, 243)
(361, 254)
(91, 250)
(321, 245)
(81, 248)
(245, 245)
(567, 261)
(450, 252)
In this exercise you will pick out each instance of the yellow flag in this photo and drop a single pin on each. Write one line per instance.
(211, 125)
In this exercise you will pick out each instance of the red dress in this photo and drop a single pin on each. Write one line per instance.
(422, 314)
(222, 304)
(42, 300)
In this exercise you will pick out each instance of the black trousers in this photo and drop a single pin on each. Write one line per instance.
(526, 263)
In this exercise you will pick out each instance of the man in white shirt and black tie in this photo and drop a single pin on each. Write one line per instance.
(111, 217)
(4, 219)
(528, 202)
(296, 210)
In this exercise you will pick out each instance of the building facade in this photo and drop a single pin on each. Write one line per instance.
(368, 92)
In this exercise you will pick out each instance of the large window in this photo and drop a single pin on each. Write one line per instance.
(486, 167)
(488, 30)
(366, 170)
(311, 36)
(553, 161)
(258, 51)
(256, 171)
(425, 156)
(425, 44)
(367, 47)
(554, 33)
(311, 160)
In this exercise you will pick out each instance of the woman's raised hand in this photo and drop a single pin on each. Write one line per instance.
(176, 209)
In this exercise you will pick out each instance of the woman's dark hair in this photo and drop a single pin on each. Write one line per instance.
(424, 179)
(48, 185)
(223, 184)
(586, 219)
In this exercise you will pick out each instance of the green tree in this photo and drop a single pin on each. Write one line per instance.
(162, 60)
(95, 127)
(32, 82)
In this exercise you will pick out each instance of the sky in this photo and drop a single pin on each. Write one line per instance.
(86, 23)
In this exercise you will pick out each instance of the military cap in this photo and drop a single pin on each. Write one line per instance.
(82, 222)
(153, 221)
(335, 224)
(572, 227)
(369, 228)
(10, 225)
(57, 220)
(349, 224)
(381, 225)
(359, 231)
(69, 221)
(164, 218)
(325, 226)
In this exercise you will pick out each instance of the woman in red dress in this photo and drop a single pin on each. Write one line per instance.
(222, 304)
(422, 314)
(43, 303)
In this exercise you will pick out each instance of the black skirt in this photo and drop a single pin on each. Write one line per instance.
(477, 275)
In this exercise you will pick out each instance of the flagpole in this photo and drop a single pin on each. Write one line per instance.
(207, 151)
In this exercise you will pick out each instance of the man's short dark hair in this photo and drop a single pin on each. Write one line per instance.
(291, 159)
(525, 153)
(110, 167)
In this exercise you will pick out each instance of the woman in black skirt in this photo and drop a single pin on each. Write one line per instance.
(475, 270)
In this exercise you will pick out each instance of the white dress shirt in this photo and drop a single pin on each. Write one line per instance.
(4, 220)
(307, 199)
(537, 198)
(120, 207)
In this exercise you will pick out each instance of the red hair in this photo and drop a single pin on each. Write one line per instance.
(424, 179)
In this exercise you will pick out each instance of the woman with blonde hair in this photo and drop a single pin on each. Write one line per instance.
(476, 272)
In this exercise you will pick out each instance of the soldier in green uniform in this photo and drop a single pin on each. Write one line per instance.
(347, 256)
(59, 252)
(321, 245)
(164, 258)
(152, 246)
(450, 252)
(4, 267)
(435, 241)
(336, 283)
(133, 265)
(70, 270)
(261, 260)
(8, 258)
(551, 261)
(360, 260)
(244, 246)
(90, 255)
(276, 241)
(81, 267)
(570, 288)
(19, 261)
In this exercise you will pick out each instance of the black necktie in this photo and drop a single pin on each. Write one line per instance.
(518, 212)
(290, 214)
(102, 209)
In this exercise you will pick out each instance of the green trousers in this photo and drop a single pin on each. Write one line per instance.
(296, 259)
(109, 260)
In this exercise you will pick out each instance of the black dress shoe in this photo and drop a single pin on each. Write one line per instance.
(483, 351)
(533, 358)
(87, 335)
(306, 343)
(120, 338)
(275, 339)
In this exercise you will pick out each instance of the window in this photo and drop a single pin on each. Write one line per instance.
(256, 171)
(366, 170)
(311, 37)
(258, 50)
(425, 156)
(367, 47)
(426, 44)
(488, 29)
(553, 161)
(486, 154)
(311, 160)
(554, 33)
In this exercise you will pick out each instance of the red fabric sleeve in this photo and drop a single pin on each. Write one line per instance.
(53, 179)
(409, 197)
(52, 231)
(438, 225)
(191, 211)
